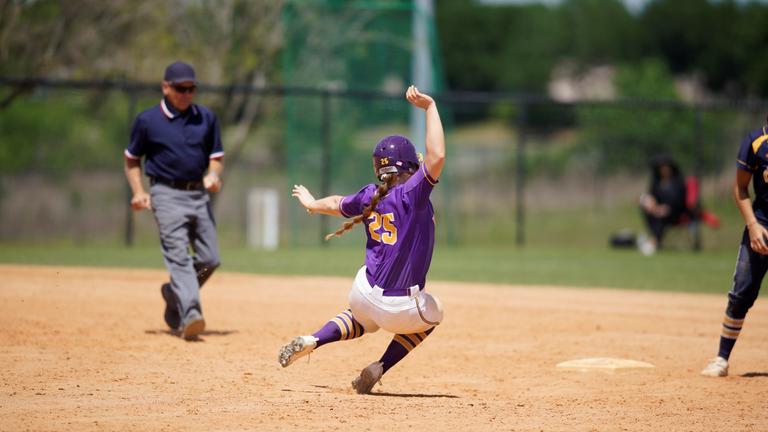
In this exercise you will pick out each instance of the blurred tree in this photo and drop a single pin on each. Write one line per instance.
(50, 37)
(722, 41)
(600, 31)
(228, 41)
(513, 47)
(753, 31)
(681, 29)
(234, 42)
(510, 48)
(618, 138)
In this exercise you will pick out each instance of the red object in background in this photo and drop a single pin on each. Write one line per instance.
(691, 192)
(692, 204)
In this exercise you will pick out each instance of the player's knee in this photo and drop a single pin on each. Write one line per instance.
(178, 258)
(738, 306)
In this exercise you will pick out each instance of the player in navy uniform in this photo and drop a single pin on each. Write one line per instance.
(752, 260)
(388, 291)
(184, 159)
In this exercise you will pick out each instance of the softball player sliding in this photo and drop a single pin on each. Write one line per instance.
(388, 291)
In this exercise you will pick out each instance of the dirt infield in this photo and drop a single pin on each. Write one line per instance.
(86, 349)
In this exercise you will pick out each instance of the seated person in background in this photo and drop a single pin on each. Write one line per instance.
(665, 202)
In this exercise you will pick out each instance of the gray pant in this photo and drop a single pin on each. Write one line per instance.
(185, 220)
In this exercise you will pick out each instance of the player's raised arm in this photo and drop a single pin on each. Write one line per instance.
(328, 205)
(435, 140)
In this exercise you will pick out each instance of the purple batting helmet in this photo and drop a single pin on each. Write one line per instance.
(395, 154)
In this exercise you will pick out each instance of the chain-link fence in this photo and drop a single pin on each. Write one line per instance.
(520, 170)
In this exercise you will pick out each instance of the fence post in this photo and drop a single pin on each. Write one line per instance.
(522, 119)
(325, 168)
(129, 227)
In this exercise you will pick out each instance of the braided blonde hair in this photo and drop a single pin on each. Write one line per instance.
(387, 182)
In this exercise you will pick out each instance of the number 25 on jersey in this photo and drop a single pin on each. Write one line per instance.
(385, 223)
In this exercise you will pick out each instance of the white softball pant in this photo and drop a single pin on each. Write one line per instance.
(415, 313)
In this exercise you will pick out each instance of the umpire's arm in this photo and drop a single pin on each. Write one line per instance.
(212, 180)
(140, 199)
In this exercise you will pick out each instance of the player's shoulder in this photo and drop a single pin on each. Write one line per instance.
(756, 134)
(370, 188)
(204, 111)
(149, 113)
(754, 140)
(149, 117)
(364, 193)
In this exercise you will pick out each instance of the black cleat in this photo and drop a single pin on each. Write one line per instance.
(171, 315)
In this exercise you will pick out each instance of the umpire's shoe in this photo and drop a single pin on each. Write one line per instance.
(171, 315)
(369, 376)
(193, 325)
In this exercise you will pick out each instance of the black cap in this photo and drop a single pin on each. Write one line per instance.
(179, 72)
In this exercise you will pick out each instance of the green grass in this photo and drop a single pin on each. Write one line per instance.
(677, 270)
(591, 227)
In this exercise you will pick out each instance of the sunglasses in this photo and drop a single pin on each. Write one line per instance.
(184, 89)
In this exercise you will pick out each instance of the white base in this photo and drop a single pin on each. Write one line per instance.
(604, 364)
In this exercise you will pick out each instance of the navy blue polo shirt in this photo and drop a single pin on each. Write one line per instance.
(177, 146)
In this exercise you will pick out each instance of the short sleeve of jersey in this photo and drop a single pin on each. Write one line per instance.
(419, 187)
(747, 157)
(138, 145)
(217, 150)
(352, 205)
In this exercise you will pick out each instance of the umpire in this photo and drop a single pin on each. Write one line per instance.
(184, 159)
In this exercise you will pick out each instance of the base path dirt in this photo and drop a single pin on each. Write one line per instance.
(87, 349)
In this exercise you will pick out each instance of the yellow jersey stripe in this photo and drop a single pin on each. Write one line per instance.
(759, 141)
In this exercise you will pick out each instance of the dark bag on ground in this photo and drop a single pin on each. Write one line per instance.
(623, 239)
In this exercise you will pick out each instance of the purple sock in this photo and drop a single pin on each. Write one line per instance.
(341, 327)
(400, 346)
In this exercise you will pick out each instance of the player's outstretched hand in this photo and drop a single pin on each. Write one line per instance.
(418, 99)
(302, 194)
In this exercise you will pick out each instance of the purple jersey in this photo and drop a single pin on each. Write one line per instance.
(401, 233)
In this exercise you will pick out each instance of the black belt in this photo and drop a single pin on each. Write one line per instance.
(178, 184)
